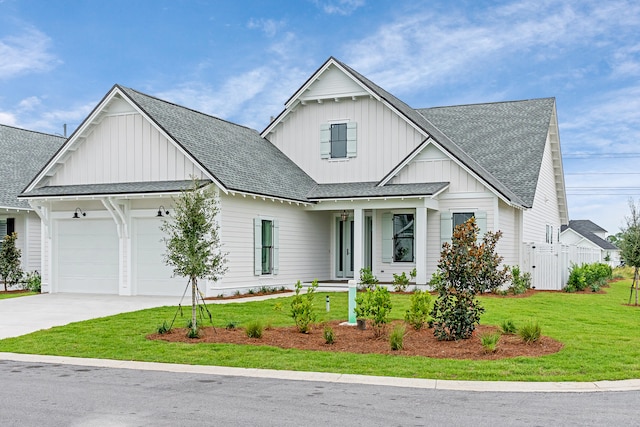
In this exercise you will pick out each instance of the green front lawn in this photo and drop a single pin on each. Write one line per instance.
(6, 295)
(601, 337)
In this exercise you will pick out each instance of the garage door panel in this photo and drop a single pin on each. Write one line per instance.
(151, 275)
(87, 256)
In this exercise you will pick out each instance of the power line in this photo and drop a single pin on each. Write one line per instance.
(602, 173)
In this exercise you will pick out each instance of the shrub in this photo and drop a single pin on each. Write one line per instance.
(400, 282)
(367, 279)
(419, 311)
(302, 310)
(231, 325)
(374, 305)
(508, 327)
(10, 269)
(592, 276)
(466, 268)
(254, 329)
(530, 332)
(520, 282)
(490, 342)
(193, 333)
(329, 335)
(396, 337)
(33, 281)
(164, 328)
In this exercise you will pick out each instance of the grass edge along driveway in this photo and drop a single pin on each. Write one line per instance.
(600, 334)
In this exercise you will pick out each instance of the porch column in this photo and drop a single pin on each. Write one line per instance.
(421, 245)
(358, 242)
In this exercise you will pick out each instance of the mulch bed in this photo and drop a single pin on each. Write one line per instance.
(352, 340)
(247, 295)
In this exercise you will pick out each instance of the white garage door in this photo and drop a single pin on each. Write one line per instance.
(150, 274)
(87, 256)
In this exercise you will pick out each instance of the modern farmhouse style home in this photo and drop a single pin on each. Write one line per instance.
(346, 176)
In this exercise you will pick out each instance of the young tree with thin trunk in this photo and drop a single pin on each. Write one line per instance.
(193, 242)
(630, 244)
(10, 269)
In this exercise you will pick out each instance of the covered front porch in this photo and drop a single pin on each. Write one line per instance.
(387, 233)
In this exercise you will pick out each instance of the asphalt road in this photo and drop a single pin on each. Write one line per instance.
(39, 394)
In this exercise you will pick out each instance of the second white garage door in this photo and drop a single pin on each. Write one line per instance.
(150, 274)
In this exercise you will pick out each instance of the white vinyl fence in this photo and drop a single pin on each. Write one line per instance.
(549, 264)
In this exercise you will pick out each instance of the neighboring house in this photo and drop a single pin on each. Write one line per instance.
(24, 154)
(346, 177)
(584, 233)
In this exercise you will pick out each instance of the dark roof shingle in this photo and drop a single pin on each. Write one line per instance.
(25, 152)
(238, 157)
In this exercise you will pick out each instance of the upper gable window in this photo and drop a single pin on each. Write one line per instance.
(338, 140)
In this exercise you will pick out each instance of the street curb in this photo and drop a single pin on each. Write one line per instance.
(477, 386)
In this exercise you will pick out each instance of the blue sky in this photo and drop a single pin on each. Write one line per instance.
(241, 60)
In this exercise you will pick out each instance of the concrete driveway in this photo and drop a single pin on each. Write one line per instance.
(22, 315)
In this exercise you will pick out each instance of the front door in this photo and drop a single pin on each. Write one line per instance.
(344, 248)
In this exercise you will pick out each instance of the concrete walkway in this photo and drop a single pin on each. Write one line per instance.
(19, 316)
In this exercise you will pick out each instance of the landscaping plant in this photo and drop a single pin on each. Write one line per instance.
(490, 342)
(328, 335)
(419, 313)
(254, 329)
(508, 327)
(367, 279)
(302, 310)
(33, 281)
(467, 268)
(396, 337)
(10, 269)
(376, 306)
(530, 332)
(193, 241)
(520, 282)
(630, 245)
(400, 282)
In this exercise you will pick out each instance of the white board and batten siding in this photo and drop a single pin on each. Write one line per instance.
(383, 139)
(124, 148)
(545, 209)
(304, 243)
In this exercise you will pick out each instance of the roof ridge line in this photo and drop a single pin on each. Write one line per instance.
(33, 131)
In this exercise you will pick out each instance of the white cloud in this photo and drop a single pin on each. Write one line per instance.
(24, 53)
(268, 26)
(8, 119)
(420, 50)
(339, 7)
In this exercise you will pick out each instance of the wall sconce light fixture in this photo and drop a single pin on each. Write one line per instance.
(78, 211)
(162, 211)
(344, 216)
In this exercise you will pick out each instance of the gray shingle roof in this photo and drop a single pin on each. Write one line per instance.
(456, 129)
(112, 188)
(24, 154)
(370, 189)
(506, 138)
(238, 157)
(586, 229)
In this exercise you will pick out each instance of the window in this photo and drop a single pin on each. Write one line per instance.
(338, 140)
(267, 246)
(403, 237)
(7, 226)
(461, 218)
(549, 234)
(266, 250)
(449, 220)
